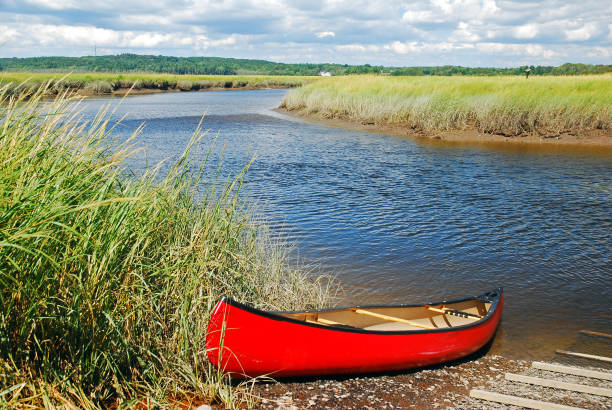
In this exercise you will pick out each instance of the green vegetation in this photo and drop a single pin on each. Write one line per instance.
(108, 279)
(503, 105)
(124, 63)
(174, 65)
(453, 70)
(101, 83)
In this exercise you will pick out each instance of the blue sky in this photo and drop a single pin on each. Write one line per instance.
(392, 33)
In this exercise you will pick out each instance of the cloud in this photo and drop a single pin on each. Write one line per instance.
(419, 47)
(421, 16)
(532, 50)
(528, 31)
(582, 34)
(396, 32)
(357, 48)
(323, 34)
(51, 35)
(465, 33)
(55, 4)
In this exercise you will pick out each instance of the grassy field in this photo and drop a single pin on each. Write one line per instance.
(504, 105)
(107, 83)
(107, 279)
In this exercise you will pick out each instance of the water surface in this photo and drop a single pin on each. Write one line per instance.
(401, 221)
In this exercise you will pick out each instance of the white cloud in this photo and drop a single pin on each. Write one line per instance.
(605, 52)
(7, 34)
(357, 48)
(461, 9)
(582, 34)
(467, 32)
(55, 4)
(51, 35)
(145, 19)
(420, 16)
(323, 34)
(419, 47)
(528, 31)
(533, 50)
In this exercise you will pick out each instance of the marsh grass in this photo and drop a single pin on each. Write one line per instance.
(105, 83)
(500, 105)
(107, 279)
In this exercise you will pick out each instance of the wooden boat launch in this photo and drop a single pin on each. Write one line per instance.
(248, 342)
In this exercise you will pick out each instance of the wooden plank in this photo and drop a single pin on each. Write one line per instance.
(586, 356)
(391, 318)
(576, 371)
(518, 401)
(581, 388)
(599, 334)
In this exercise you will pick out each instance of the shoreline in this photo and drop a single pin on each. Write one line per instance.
(443, 386)
(591, 142)
(123, 92)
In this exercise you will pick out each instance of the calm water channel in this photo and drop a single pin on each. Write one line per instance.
(401, 221)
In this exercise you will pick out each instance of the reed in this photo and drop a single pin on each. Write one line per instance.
(107, 279)
(500, 105)
(106, 83)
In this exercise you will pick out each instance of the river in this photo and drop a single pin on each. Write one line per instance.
(397, 220)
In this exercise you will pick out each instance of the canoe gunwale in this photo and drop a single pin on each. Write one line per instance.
(492, 297)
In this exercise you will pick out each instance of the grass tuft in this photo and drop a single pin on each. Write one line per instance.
(498, 105)
(105, 83)
(108, 279)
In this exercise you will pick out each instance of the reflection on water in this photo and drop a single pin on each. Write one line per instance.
(401, 221)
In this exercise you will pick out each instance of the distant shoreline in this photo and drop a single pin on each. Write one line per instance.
(122, 92)
(100, 84)
(590, 141)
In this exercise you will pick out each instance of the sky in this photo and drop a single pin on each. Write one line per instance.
(492, 33)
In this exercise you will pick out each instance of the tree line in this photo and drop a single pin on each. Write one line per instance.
(124, 63)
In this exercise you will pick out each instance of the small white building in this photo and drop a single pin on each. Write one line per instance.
(325, 74)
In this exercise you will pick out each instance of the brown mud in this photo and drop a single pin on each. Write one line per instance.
(588, 142)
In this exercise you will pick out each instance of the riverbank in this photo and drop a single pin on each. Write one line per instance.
(545, 111)
(109, 276)
(107, 84)
(589, 141)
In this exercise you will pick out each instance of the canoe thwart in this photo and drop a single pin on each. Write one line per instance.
(452, 312)
(391, 318)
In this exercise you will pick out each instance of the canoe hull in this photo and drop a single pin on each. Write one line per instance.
(246, 342)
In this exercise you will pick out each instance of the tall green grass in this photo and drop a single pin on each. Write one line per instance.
(107, 279)
(106, 83)
(505, 105)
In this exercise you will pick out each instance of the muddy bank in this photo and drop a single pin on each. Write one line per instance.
(439, 387)
(595, 141)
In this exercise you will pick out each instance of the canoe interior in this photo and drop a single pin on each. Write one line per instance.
(399, 318)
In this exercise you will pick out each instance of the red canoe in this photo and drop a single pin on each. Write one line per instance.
(247, 342)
